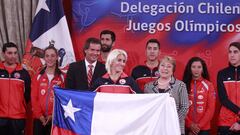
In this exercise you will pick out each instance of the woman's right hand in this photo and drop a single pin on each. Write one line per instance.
(194, 128)
(43, 120)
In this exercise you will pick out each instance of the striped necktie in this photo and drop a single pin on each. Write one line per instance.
(89, 75)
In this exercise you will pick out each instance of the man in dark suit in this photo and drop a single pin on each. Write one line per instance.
(82, 74)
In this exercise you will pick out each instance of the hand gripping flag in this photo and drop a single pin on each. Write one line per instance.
(89, 113)
(49, 27)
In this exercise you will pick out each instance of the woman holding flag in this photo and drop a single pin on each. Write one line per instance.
(115, 80)
(167, 83)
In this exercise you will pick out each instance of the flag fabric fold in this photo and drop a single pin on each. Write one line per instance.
(49, 27)
(90, 113)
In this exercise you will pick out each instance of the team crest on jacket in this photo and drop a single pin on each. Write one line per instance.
(122, 81)
(43, 91)
(190, 102)
(16, 75)
(200, 97)
(157, 74)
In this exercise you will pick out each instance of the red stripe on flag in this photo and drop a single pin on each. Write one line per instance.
(60, 131)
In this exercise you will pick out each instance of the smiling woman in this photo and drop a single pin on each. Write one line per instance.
(42, 92)
(167, 83)
(115, 80)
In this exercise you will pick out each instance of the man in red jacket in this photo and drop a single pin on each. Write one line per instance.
(14, 92)
(228, 83)
(149, 70)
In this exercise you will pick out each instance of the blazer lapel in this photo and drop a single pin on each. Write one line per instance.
(95, 72)
(84, 71)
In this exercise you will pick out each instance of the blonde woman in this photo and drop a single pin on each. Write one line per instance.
(115, 80)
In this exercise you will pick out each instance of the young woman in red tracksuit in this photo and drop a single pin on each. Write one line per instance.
(201, 97)
(42, 92)
(115, 80)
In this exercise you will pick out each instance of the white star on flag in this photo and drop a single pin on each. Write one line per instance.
(69, 110)
(42, 5)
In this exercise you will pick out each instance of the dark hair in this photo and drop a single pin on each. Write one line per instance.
(8, 45)
(235, 44)
(57, 70)
(50, 47)
(153, 41)
(187, 76)
(113, 36)
(89, 41)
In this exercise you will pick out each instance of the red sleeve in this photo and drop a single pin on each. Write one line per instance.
(210, 107)
(35, 98)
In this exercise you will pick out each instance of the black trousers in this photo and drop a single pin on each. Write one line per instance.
(39, 129)
(12, 126)
(202, 132)
(224, 130)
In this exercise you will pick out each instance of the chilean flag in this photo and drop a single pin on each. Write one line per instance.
(49, 27)
(90, 113)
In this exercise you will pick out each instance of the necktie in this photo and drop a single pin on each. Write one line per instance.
(89, 75)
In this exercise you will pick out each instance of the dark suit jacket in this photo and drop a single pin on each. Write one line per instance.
(77, 75)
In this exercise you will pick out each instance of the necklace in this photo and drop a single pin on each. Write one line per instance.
(164, 84)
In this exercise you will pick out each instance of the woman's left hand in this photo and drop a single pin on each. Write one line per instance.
(48, 119)
(235, 127)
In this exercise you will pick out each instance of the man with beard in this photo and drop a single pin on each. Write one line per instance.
(107, 38)
(149, 70)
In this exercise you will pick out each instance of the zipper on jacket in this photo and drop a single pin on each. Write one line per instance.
(195, 101)
(48, 94)
(151, 73)
(236, 77)
(236, 81)
(9, 86)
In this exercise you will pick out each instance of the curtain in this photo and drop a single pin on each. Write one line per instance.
(15, 22)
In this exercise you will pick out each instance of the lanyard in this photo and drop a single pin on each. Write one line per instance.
(194, 101)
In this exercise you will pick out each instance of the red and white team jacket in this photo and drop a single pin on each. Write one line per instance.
(143, 74)
(228, 82)
(42, 93)
(124, 84)
(14, 92)
(202, 101)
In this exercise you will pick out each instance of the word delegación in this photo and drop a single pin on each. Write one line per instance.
(202, 8)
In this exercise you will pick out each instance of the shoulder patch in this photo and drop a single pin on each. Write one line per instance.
(205, 84)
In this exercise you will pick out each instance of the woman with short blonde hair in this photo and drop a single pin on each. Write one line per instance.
(115, 80)
(112, 56)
